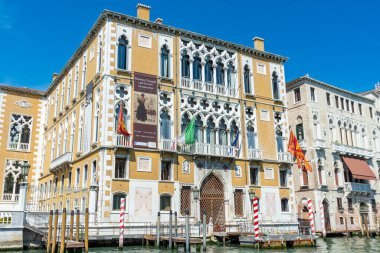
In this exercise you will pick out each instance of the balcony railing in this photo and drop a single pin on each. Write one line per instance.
(10, 197)
(284, 157)
(358, 187)
(208, 87)
(168, 145)
(345, 149)
(255, 154)
(302, 144)
(64, 159)
(19, 146)
(209, 149)
(120, 140)
(319, 143)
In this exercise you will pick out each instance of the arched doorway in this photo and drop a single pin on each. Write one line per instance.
(326, 215)
(212, 201)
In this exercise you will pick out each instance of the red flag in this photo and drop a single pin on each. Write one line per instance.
(120, 123)
(295, 149)
(292, 143)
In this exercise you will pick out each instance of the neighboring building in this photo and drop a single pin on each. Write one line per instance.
(161, 77)
(21, 116)
(339, 133)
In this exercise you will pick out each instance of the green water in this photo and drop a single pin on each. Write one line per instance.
(342, 244)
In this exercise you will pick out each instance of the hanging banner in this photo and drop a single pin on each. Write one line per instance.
(145, 111)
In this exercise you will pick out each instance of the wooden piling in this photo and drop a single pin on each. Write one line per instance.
(187, 232)
(170, 229)
(54, 243)
(345, 217)
(63, 232)
(86, 231)
(158, 230)
(50, 227)
(71, 225)
(366, 225)
(77, 227)
(175, 224)
(204, 231)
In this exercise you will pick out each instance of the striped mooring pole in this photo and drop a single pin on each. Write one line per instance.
(311, 215)
(121, 239)
(322, 219)
(255, 204)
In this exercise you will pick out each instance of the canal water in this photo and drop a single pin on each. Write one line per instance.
(336, 245)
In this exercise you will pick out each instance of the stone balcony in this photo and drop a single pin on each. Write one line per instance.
(206, 149)
(358, 188)
(319, 144)
(168, 145)
(207, 87)
(19, 146)
(351, 150)
(284, 157)
(254, 154)
(122, 141)
(61, 161)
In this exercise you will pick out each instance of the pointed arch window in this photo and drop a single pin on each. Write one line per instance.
(275, 90)
(279, 139)
(209, 70)
(165, 125)
(197, 68)
(247, 79)
(251, 137)
(185, 65)
(223, 137)
(210, 131)
(199, 129)
(122, 52)
(165, 61)
(20, 132)
(96, 122)
(184, 122)
(233, 132)
(231, 75)
(12, 179)
(220, 73)
(299, 128)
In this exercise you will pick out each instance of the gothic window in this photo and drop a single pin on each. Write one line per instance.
(20, 132)
(247, 79)
(122, 52)
(165, 61)
(279, 139)
(275, 85)
(320, 172)
(284, 205)
(209, 70)
(199, 129)
(184, 122)
(116, 199)
(117, 113)
(96, 122)
(299, 128)
(220, 73)
(223, 137)
(12, 179)
(210, 131)
(165, 125)
(251, 137)
(231, 75)
(84, 72)
(233, 132)
(68, 90)
(185, 65)
(197, 68)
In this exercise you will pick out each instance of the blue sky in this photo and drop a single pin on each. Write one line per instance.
(337, 42)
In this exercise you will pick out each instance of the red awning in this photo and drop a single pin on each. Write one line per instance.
(359, 168)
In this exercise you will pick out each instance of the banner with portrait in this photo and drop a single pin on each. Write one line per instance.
(145, 111)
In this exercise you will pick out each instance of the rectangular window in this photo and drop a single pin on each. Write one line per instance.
(283, 178)
(312, 94)
(347, 105)
(297, 95)
(78, 177)
(166, 170)
(299, 131)
(165, 203)
(116, 201)
(93, 173)
(341, 220)
(342, 103)
(69, 180)
(120, 168)
(352, 220)
(337, 102)
(328, 99)
(85, 175)
(370, 112)
(62, 183)
(254, 176)
(339, 203)
(284, 205)
(349, 203)
(360, 109)
(238, 201)
(352, 106)
(185, 199)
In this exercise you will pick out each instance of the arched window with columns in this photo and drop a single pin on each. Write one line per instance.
(199, 129)
(231, 75)
(165, 125)
(209, 70)
(165, 61)
(223, 135)
(197, 67)
(275, 88)
(247, 79)
(210, 131)
(251, 136)
(185, 64)
(122, 53)
(219, 73)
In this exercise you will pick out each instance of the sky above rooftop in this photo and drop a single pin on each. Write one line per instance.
(337, 42)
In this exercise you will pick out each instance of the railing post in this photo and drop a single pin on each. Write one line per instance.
(158, 231)
(48, 247)
(175, 224)
(170, 229)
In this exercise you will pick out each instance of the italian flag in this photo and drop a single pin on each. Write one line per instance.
(188, 136)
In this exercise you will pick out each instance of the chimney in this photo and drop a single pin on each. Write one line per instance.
(54, 76)
(143, 11)
(258, 43)
(159, 21)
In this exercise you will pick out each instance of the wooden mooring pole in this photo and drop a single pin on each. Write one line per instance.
(346, 225)
(48, 246)
(366, 225)
(158, 230)
(71, 225)
(187, 232)
(170, 229)
(77, 227)
(86, 231)
(63, 232)
(175, 224)
(204, 231)
(54, 243)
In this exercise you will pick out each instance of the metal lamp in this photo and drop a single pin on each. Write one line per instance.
(252, 194)
(25, 169)
(196, 193)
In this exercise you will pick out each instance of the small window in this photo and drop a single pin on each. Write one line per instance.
(284, 205)
(247, 79)
(85, 175)
(122, 52)
(349, 203)
(352, 220)
(352, 106)
(283, 178)
(347, 105)
(370, 112)
(337, 102)
(254, 176)
(341, 220)
(297, 95)
(339, 203)
(342, 103)
(328, 99)
(166, 170)
(312, 94)
(360, 109)
(165, 203)
(238, 201)
(120, 168)
(78, 177)
(116, 201)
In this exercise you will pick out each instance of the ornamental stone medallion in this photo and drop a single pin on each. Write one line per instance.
(23, 104)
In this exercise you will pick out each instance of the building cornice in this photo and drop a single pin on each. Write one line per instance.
(306, 79)
(25, 90)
